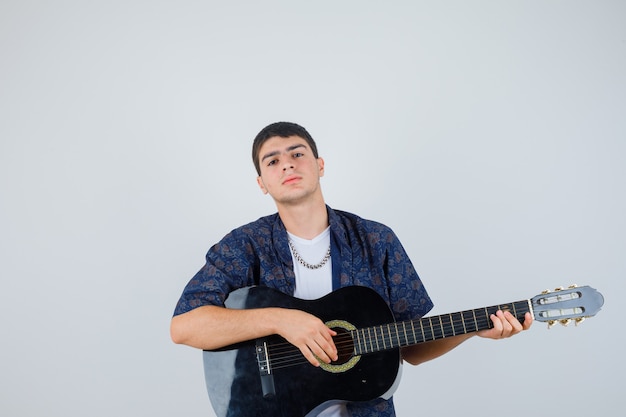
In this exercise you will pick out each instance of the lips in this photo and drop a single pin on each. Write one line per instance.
(291, 179)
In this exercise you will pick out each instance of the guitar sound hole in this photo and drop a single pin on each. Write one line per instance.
(345, 345)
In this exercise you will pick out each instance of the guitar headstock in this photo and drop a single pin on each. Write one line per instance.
(566, 304)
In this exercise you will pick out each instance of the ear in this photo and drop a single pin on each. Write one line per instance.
(259, 181)
(320, 164)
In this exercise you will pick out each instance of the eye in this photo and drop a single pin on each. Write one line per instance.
(298, 155)
(272, 162)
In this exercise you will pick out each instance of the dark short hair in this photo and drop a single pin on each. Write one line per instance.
(283, 130)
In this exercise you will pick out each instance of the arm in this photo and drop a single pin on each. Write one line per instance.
(504, 325)
(201, 320)
(213, 327)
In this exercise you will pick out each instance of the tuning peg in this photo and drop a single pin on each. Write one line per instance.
(565, 322)
(551, 323)
(573, 286)
(559, 289)
(579, 320)
(545, 292)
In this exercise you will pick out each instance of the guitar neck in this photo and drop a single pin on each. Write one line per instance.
(412, 332)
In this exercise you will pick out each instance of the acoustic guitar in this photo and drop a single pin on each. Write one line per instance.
(269, 377)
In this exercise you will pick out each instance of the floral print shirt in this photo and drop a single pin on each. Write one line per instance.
(363, 252)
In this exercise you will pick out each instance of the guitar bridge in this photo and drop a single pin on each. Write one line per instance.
(265, 369)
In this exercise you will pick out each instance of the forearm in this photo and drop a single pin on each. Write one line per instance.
(425, 352)
(504, 325)
(213, 327)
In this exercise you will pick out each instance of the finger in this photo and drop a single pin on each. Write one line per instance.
(318, 354)
(512, 325)
(329, 344)
(501, 326)
(308, 354)
(325, 348)
(497, 324)
(517, 326)
(509, 324)
(528, 321)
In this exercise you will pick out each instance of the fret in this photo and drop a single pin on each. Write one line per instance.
(436, 330)
(413, 331)
(429, 329)
(520, 308)
(445, 321)
(443, 334)
(397, 334)
(357, 341)
(475, 321)
(374, 344)
(504, 307)
(524, 307)
(363, 341)
(490, 310)
(452, 325)
(488, 321)
(376, 335)
(469, 321)
(383, 338)
(422, 330)
(458, 326)
(529, 308)
(406, 339)
(371, 339)
(382, 335)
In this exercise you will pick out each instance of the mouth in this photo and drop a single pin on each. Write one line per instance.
(291, 179)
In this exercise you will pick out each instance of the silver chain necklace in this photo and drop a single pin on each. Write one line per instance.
(305, 263)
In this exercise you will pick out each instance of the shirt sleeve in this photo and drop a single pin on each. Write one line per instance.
(408, 296)
(229, 265)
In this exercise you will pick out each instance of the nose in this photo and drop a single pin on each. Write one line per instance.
(287, 165)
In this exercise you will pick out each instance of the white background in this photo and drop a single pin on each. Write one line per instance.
(490, 135)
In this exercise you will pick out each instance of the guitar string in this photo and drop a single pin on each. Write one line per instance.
(379, 329)
(452, 323)
(386, 337)
(285, 354)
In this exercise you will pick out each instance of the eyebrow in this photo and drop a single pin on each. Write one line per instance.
(290, 148)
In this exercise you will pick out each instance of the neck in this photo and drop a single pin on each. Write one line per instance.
(304, 220)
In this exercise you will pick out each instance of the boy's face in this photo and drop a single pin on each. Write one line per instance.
(290, 172)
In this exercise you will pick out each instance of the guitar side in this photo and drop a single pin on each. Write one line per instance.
(232, 374)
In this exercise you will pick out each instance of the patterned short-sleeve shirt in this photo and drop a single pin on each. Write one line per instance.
(364, 252)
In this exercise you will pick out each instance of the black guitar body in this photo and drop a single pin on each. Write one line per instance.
(234, 379)
(271, 378)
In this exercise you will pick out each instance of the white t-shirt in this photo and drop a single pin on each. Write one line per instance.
(312, 283)
(315, 283)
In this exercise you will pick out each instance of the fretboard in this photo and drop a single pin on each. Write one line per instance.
(411, 332)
